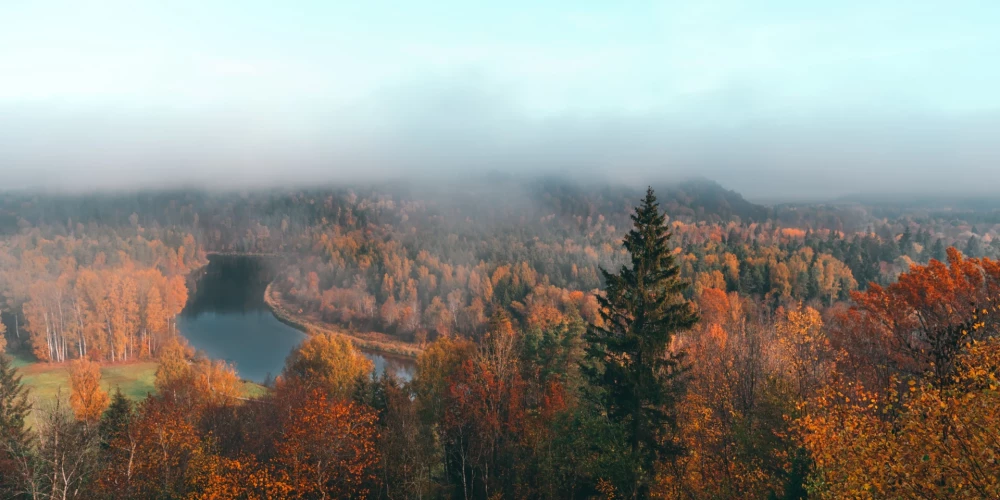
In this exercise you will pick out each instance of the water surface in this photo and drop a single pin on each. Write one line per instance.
(226, 317)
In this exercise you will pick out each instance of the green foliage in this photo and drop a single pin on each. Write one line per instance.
(14, 405)
(585, 451)
(327, 361)
(642, 309)
(14, 409)
(116, 419)
(425, 266)
(554, 353)
(136, 380)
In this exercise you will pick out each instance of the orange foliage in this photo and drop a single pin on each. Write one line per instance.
(327, 361)
(714, 306)
(161, 447)
(87, 398)
(111, 314)
(485, 416)
(709, 468)
(793, 232)
(435, 367)
(803, 350)
(198, 382)
(730, 422)
(214, 382)
(327, 449)
(942, 444)
(921, 322)
(174, 366)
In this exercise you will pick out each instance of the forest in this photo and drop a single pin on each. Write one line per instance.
(571, 340)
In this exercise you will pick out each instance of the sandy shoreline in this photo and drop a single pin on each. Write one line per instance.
(392, 348)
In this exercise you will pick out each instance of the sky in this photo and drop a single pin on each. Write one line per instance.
(776, 99)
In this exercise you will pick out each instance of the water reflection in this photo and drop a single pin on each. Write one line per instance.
(227, 318)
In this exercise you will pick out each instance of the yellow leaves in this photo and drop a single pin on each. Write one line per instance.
(942, 443)
(606, 488)
(87, 398)
(804, 323)
(215, 382)
(717, 335)
(707, 470)
(174, 366)
(802, 347)
(328, 361)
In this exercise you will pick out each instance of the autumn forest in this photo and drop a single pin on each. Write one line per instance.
(569, 339)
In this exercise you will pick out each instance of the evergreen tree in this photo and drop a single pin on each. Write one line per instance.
(973, 248)
(923, 237)
(14, 408)
(116, 418)
(638, 376)
(906, 242)
(891, 251)
(938, 251)
(734, 237)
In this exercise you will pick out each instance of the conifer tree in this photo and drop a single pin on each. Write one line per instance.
(14, 408)
(938, 251)
(973, 248)
(639, 376)
(117, 418)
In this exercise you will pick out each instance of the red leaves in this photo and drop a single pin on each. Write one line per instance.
(484, 420)
(924, 319)
(304, 445)
(327, 448)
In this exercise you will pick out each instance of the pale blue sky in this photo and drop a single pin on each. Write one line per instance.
(663, 86)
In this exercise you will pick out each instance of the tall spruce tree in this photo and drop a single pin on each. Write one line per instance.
(938, 251)
(14, 439)
(638, 375)
(116, 419)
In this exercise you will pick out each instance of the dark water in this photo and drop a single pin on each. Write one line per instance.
(226, 317)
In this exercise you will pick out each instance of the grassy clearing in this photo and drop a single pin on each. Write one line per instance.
(51, 380)
(253, 390)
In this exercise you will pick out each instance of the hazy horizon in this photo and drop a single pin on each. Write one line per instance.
(782, 101)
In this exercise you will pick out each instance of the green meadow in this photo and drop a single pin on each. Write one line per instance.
(49, 381)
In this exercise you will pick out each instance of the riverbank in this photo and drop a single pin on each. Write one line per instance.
(372, 341)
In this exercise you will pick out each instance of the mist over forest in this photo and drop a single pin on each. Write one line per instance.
(806, 159)
(510, 250)
(415, 325)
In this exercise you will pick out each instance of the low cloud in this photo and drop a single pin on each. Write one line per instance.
(466, 126)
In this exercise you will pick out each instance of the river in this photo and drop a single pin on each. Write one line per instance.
(226, 318)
